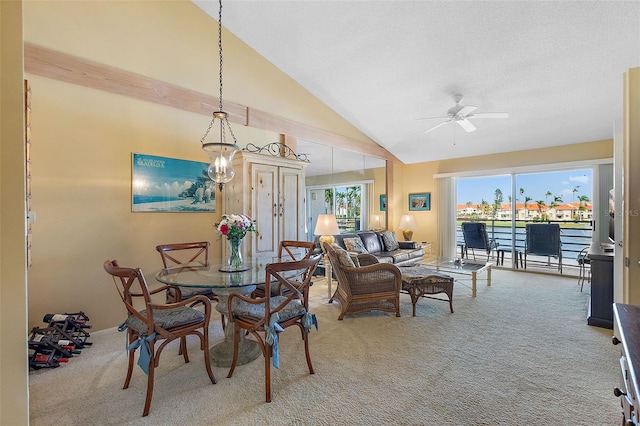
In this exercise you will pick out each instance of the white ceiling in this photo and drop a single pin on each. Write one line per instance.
(555, 66)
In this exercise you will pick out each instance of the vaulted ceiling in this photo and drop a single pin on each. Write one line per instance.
(554, 66)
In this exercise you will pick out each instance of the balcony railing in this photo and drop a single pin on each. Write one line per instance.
(348, 224)
(574, 236)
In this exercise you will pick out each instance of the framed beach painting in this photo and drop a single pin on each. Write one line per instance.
(161, 184)
(383, 203)
(420, 201)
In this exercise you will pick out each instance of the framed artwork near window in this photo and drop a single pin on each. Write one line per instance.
(383, 203)
(420, 201)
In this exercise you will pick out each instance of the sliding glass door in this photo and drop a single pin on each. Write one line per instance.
(347, 202)
(507, 203)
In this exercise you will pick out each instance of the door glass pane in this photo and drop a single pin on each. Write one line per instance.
(349, 207)
(563, 197)
(489, 200)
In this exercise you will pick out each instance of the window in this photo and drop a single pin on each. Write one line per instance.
(507, 202)
(348, 204)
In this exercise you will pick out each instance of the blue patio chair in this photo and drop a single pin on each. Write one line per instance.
(543, 239)
(475, 237)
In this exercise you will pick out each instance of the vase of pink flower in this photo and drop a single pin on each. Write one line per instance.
(235, 227)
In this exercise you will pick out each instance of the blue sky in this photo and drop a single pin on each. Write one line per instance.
(535, 186)
(154, 175)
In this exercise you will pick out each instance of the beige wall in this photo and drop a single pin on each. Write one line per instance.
(83, 140)
(14, 408)
(412, 178)
(584, 151)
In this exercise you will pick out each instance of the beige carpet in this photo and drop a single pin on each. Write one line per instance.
(518, 354)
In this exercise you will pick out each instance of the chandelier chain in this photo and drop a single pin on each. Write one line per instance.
(222, 115)
(220, 47)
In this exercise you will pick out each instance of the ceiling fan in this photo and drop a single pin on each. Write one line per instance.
(461, 115)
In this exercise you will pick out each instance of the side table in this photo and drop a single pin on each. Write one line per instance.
(419, 281)
(429, 245)
(327, 274)
(500, 256)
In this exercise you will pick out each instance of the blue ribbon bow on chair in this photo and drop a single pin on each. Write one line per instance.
(309, 319)
(271, 337)
(144, 358)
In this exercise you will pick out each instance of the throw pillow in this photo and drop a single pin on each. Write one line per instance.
(390, 241)
(355, 245)
(355, 260)
(344, 258)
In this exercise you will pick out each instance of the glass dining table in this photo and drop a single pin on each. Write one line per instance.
(194, 275)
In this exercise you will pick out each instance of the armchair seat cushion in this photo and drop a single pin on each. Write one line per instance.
(181, 316)
(256, 310)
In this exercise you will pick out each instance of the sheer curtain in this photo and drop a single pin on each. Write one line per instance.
(446, 244)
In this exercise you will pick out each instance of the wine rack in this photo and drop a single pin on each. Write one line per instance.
(64, 336)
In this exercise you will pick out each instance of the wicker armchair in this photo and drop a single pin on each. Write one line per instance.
(370, 286)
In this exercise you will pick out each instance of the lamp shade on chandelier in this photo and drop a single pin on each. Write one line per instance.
(224, 147)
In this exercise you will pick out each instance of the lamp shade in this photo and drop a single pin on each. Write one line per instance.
(374, 221)
(326, 225)
(408, 222)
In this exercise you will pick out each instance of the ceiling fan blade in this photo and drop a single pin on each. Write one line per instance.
(432, 118)
(436, 126)
(489, 115)
(466, 125)
(466, 110)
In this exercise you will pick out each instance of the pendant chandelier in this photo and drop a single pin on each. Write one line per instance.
(221, 151)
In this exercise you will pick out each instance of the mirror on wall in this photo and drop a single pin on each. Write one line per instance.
(348, 184)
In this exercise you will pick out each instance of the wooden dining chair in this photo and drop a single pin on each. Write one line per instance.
(288, 250)
(272, 314)
(181, 253)
(155, 323)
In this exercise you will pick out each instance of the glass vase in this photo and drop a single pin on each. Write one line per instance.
(235, 254)
(234, 262)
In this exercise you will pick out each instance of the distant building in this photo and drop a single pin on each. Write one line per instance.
(532, 211)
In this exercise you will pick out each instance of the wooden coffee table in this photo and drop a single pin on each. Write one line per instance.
(420, 281)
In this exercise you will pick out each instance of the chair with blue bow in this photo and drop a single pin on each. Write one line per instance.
(272, 314)
(155, 323)
(288, 250)
(182, 253)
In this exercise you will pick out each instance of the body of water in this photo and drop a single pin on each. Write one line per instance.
(143, 199)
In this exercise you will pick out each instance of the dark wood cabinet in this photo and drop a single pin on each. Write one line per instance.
(601, 306)
(627, 337)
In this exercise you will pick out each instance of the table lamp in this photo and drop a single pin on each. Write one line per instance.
(326, 227)
(374, 222)
(407, 225)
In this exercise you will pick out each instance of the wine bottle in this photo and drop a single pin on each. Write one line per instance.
(51, 318)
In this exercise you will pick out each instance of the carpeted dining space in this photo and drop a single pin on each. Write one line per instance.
(520, 353)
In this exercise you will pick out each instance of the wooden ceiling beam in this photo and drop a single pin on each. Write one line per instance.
(71, 69)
